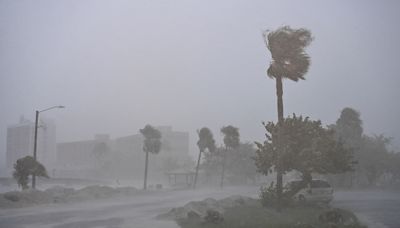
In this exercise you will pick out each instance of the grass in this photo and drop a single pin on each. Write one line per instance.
(260, 217)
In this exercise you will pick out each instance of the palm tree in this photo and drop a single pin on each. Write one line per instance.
(231, 141)
(206, 141)
(290, 61)
(151, 144)
(27, 166)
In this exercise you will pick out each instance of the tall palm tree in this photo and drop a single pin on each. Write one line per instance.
(206, 141)
(231, 141)
(151, 144)
(289, 60)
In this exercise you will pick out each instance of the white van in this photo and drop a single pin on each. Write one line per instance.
(316, 191)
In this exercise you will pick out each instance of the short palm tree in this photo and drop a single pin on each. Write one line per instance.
(231, 141)
(151, 144)
(206, 141)
(290, 61)
(26, 166)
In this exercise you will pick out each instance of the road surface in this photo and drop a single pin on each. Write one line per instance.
(132, 212)
(378, 206)
(139, 211)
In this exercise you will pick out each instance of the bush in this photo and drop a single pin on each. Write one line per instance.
(338, 218)
(12, 196)
(301, 216)
(213, 216)
(269, 197)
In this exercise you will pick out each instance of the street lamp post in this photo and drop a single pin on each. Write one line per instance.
(35, 139)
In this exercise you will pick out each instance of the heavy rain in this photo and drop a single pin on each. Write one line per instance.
(186, 114)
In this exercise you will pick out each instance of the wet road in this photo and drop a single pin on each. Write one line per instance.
(379, 206)
(139, 211)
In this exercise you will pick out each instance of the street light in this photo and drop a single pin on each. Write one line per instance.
(35, 141)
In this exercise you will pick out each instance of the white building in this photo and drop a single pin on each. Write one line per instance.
(125, 155)
(20, 142)
(79, 156)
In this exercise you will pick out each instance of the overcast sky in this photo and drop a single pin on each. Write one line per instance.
(118, 65)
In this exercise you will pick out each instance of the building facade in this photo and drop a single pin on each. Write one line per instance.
(79, 156)
(20, 142)
(123, 157)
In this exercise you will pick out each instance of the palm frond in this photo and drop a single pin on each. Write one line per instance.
(289, 59)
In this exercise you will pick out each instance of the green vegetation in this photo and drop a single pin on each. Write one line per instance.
(231, 141)
(269, 198)
(308, 148)
(239, 163)
(151, 144)
(290, 61)
(25, 167)
(206, 141)
(295, 217)
(374, 164)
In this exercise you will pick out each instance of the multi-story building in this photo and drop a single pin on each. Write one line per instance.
(20, 142)
(125, 156)
(79, 156)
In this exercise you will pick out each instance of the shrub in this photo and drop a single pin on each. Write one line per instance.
(213, 216)
(269, 197)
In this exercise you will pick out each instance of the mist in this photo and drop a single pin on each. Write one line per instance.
(119, 65)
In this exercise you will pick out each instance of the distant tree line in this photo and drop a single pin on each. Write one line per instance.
(375, 165)
(233, 161)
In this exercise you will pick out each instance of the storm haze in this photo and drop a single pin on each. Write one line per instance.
(118, 65)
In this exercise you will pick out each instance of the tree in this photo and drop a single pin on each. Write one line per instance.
(349, 128)
(373, 158)
(308, 148)
(290, 61)
(241, 163)
(26, 166)
(212, 162)
(151, 144)
(231, 141)
(392, 167)
(206, 141)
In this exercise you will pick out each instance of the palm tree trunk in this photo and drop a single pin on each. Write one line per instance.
(279, 181)
(145, 171)
(197, 170)
(223, 168)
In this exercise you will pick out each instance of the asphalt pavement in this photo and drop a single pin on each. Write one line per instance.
(132, 212)
(380, 208)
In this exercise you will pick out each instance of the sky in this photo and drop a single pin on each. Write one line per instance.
(119, 65)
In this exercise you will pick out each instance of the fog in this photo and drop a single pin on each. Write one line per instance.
(119, 65)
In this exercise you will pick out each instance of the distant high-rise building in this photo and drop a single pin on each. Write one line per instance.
(20, 141)
(124, 153)
(80, 155)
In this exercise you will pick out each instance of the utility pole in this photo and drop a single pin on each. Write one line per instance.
(35, 148)
(35, 140)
